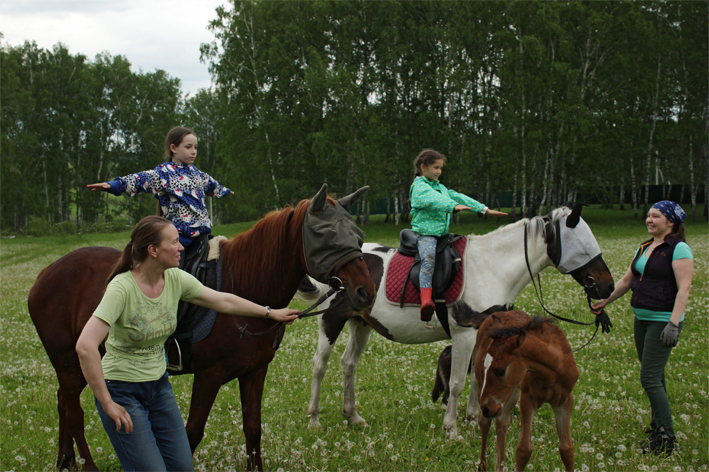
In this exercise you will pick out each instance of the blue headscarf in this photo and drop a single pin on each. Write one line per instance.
(674, 213)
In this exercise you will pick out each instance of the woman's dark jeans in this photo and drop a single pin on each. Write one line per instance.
(653, 358)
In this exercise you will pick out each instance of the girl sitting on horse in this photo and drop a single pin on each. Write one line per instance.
(136, 315)
(431, 207)
(177, 184)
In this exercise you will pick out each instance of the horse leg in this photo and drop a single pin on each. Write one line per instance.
(251, 388)
(527, 409)
(359, 336)
(461, 353)
(205, 388)
(562, 414)
(320, 360)
(502, 425)
(71, 384)
(484, 424)
(66, 458)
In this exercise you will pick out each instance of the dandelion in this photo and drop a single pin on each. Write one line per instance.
(394, 458)
(280, 469)
(433, 426)
(584, 468)
(599, 456)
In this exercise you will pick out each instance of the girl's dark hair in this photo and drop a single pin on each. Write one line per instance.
(147, 232)
(175, 136)
(677, 232)
(426, 157)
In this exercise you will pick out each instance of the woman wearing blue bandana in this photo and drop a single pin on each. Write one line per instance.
(660, 277)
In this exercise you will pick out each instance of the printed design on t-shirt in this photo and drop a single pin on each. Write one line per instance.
(150, 322)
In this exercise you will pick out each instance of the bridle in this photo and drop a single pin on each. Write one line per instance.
(602, 318)
(336, 286)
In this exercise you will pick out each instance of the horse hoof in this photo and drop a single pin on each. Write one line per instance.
(314, 424)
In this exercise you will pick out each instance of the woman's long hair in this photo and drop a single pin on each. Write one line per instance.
(148, 231)
(677, 232)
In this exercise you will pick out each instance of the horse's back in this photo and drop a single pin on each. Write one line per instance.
(66, 293)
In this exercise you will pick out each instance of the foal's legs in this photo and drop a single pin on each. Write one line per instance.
(329, 330)
(528, 408)
(502, 425)
(471, 413)
(359, 336)
(484, 424)
(562, 414)
(463, 344)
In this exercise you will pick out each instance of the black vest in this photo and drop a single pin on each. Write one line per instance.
(656, 288)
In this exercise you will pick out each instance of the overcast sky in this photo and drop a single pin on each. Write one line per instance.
(151, 34)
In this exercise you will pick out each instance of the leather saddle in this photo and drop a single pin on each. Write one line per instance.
(194, 322)
(447, 263)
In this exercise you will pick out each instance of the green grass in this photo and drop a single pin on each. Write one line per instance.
(393, 382)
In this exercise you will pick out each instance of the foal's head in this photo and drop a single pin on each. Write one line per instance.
(500, 368)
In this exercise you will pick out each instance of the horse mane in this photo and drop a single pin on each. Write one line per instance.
(536, 323)
(271, 235)
(536, 225)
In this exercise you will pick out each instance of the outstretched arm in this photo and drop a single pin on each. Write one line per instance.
(232, 305)
(621, 287)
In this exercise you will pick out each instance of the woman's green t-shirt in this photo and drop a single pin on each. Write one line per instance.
(140, 325)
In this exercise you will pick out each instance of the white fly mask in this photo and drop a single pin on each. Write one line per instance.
(577, 245)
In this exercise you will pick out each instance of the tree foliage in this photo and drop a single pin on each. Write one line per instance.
(546, 100)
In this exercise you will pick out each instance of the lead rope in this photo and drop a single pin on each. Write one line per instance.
(540, 296)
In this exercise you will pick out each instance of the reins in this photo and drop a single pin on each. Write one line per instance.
(306, 313)
(540, 297)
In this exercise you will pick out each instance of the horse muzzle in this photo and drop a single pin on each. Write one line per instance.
(491, 409)
(596, 278)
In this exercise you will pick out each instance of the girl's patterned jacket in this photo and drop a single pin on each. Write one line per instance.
(432, 205)
(181, 190)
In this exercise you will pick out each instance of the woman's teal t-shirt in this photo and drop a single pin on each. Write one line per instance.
(682, 251)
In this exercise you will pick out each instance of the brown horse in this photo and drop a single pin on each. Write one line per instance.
(265, 264)
(519, 356)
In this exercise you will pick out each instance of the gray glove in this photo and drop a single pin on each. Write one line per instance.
(670, 335)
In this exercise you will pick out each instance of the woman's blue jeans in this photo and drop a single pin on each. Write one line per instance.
(159, 439)
(427, 249)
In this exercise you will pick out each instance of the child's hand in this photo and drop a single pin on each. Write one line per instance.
(461, 208)
(491, 212)
(99, 186)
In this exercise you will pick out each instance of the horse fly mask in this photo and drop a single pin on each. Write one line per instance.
(330, 236)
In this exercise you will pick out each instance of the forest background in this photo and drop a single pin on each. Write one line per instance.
(540, 101)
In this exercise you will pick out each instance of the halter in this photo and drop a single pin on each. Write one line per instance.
(336, 286)
(602, 318)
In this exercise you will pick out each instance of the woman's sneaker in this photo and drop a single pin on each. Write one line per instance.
(649, 435)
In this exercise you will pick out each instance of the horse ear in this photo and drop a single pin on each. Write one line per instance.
(573, 219)
(347, 201)
(520, 338)
(319, 200)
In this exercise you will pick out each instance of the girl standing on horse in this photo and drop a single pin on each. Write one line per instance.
(136, 315)
(177, 184)
(660, 277)
(431, 207)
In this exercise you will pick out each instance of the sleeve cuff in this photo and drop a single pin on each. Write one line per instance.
(116, 187)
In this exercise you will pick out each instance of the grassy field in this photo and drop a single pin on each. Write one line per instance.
(394, 380)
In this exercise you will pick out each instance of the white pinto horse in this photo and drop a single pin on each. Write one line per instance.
(496, 271)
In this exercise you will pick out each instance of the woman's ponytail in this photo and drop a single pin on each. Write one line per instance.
(147, 232)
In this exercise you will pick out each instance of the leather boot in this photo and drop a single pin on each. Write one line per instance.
(427, 305)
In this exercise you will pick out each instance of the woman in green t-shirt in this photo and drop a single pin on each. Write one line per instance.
(136, 315)
(660, 276)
